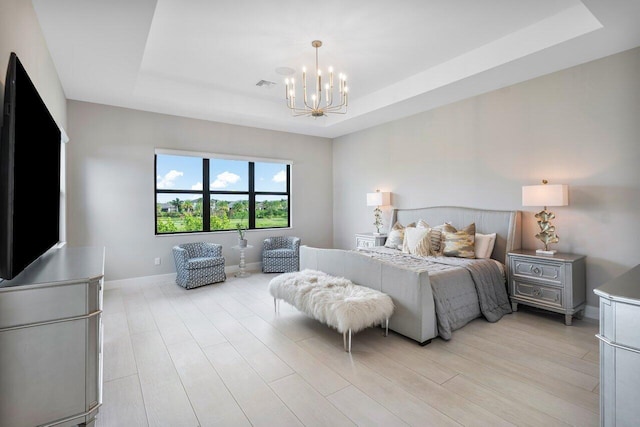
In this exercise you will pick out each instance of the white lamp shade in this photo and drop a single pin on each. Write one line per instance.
(545, 195)
(379, 198)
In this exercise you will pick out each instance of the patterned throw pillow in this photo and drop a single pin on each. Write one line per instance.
(417, 241)
(459, 243)
(435, 236)
(396, 236)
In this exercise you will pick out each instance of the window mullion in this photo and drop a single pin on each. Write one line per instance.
(252, 196)
(206, 197)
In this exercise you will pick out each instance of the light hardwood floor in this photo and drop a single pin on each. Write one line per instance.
(219, 355)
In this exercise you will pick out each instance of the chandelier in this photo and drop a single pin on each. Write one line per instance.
(318, 105)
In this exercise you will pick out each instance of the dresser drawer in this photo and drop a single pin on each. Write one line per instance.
(627, 325)
(548, 271)
(547, 295)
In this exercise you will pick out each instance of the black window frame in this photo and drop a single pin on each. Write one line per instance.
(206, 193)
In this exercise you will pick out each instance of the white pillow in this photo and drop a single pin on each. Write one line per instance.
(484, 245)
(417, 241)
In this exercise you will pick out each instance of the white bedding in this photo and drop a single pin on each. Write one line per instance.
(417, 263)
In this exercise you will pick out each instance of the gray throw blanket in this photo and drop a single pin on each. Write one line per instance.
(492, 291)
(459, 300)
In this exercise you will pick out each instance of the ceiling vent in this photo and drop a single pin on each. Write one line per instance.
(265, 83)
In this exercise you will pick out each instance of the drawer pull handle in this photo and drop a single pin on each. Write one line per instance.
(537, 292)
(536, 270)
(616, 345)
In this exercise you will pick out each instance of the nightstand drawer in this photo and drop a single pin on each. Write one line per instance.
(548, 295)
(550, 272)
(369, 240)
(365, 242)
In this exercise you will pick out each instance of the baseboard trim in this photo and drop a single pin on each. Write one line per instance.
(592, 312)
(170, 277)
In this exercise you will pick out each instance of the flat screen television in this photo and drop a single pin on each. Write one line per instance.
(29, 174)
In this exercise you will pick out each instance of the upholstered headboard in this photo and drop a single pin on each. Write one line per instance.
(506, 224)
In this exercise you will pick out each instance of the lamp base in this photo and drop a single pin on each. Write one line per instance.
(543, 252)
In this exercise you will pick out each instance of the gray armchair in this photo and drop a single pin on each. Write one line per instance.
(199, 264)
(281, 254)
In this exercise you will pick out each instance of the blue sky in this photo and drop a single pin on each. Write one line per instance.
(185, 173)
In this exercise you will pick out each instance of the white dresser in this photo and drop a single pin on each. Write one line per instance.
(51, 340)
(620, 350)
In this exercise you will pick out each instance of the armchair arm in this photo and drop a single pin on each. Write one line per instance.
(213, 249)
(180, 255)
(267, 244)
(295, 243)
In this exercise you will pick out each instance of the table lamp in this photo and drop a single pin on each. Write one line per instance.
(545, 195)
(377, 199)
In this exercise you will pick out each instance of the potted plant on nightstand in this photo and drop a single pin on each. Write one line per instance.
(242, 242)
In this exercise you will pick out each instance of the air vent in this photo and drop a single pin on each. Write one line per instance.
(265, 83)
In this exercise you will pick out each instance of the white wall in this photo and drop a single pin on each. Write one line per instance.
(111, 182)
(20, 32)
(580, 127)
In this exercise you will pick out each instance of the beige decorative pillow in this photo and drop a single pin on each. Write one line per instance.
(436, 236)
(396, 236)
(417, 241)
(484, 244)
(459, 243)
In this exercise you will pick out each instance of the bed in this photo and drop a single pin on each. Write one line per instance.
(433, 295)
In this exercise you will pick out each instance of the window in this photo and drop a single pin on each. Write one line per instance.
(254, 193)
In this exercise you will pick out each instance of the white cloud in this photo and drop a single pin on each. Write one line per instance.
(224, 179)
(167, 181)
(280, 176)
(197, 186)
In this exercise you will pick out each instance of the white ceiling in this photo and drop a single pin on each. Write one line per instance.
(203, 58)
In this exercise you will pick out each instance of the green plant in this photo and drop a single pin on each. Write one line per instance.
(241, 230)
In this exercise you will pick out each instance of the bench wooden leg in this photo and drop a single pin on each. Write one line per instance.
(386, 327)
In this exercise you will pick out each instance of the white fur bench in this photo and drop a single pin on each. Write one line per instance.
(335, 301)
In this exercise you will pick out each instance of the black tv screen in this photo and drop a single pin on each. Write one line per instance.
(29, 174)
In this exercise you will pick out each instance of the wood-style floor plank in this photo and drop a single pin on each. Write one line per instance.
(393, 397)
(221, 355)
(261, 405)
(211, 400)
(363, 410)
(122, 404)
(164, 396)
(324, 379)
(118, 359)
(310, 407)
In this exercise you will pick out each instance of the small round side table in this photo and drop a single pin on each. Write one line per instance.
(242, 272)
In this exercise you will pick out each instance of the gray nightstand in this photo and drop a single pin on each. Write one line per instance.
(556, 283)
(368, 240)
